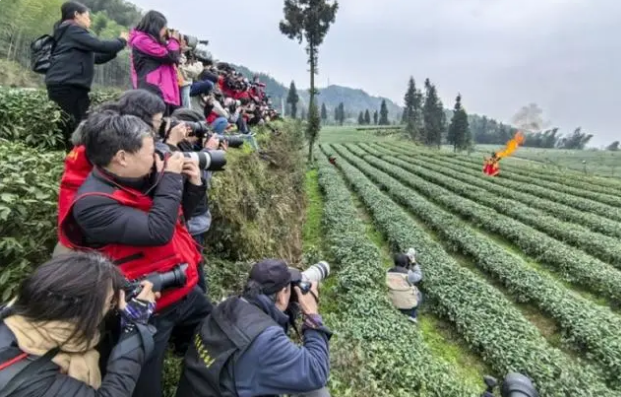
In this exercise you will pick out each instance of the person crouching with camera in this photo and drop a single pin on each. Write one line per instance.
(401, 281)
(48, 333)
(242, 349)
(132, 208)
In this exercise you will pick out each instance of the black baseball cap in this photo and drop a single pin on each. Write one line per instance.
(274, 275)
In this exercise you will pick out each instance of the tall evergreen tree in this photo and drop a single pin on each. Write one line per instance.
(412, 114)
(433, 116)
(292, 100)
(367, 117)
(383, 120)
(309, 20)
(375, 117)
(324, 113)
(341, 113)
(361, 118)
(459, 133)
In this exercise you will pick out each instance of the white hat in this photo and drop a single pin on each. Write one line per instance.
(411, 253)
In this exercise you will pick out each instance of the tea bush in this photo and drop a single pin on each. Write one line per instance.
(28, 116)
(28, 197)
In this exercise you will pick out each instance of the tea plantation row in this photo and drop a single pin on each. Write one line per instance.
(586, 326)
(490, 324)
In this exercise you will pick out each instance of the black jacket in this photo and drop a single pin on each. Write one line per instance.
(122, 372)
(105, 221)
(76, 53)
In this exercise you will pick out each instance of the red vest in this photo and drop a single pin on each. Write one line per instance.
(77, 168)
(136, 262)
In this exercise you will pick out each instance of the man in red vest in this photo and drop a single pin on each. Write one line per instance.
(134, 213)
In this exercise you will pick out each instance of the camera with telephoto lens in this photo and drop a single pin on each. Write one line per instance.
(208, 160)
(514, 385)
(191, 41)
(315, 273)
(174, 278)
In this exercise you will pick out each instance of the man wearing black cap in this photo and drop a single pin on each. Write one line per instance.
(242, 349)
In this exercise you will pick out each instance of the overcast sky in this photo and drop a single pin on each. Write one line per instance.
(564, 55)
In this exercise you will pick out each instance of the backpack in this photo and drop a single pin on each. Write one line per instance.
(41, 51)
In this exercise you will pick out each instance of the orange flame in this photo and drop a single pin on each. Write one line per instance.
(512, 145)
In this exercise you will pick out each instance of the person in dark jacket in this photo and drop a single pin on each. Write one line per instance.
(135, 215)
(242, 348)
(156, 52)
(59, 309)
(71, 71)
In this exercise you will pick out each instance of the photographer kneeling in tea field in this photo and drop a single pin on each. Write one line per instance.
(48, 333)
(401, 281)
(242, 348)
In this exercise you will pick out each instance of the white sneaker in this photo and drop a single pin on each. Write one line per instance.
(413, 319)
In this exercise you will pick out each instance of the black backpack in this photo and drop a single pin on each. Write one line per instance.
(41, 51)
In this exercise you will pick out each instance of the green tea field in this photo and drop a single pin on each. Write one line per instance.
(522, 272)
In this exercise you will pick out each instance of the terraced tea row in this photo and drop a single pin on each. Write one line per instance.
(587, 327)
(602, 247)
(580, 203)
(365, 316)
(570, 263)
(489, 323)
(567, 177)
(593, 222)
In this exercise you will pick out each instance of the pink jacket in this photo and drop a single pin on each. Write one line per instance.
(154, 66)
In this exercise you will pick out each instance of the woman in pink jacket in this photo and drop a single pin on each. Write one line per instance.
(155, 54)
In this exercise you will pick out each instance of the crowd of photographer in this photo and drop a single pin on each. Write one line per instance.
(127, 278)
(163, 61)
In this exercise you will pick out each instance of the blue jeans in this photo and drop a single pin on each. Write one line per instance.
(219, 125)
(202, 87)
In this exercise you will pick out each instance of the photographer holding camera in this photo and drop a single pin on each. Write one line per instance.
(242, 348)
(48, 333)
(401, 281)
(155, 53)
(133, 212)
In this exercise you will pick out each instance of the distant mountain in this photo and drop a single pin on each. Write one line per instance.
(355, 100)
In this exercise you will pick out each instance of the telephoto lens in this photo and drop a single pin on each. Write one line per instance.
(234, 141)
(518, 385)
(161, 281)
(212, 160)
(316, 272)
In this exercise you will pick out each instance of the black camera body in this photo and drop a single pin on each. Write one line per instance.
(174, 278)
(514, 385)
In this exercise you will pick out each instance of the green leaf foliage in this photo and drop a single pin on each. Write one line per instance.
(28, 116)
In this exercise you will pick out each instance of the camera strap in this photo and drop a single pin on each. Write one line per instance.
(28, 372)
